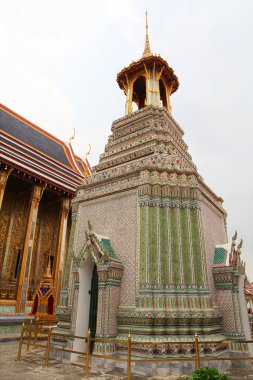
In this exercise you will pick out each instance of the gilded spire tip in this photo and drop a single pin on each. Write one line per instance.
(48, 270)
(147, 50)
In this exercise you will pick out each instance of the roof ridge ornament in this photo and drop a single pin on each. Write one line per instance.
(147, 51)
(72, 136)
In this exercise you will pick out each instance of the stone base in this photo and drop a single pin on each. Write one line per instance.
(10, 326)
(170, 370)
(245, 364)
(62, 356)
(220, 365)
(105, 365)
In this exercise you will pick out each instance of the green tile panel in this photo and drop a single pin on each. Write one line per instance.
(153, 245)
(196, 247)
(143, 245)
(164, 245)
(220, 256)
(175, 253)
(185, 241)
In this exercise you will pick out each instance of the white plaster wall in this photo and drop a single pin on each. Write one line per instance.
(83, 308)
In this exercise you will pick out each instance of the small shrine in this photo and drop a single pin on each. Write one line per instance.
(44, 300)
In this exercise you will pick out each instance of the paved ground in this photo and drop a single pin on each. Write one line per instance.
(31, 367)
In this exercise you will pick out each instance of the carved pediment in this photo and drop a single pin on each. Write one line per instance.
(99, 247)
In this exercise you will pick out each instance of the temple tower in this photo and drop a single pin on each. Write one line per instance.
(147, 198)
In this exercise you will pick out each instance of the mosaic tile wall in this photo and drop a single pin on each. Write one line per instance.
(215, 233)
(116, 217)
(171, 247)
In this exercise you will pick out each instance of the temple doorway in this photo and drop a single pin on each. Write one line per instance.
(86, 304)
(93, 305)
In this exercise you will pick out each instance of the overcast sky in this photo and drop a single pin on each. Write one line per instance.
(59, 61)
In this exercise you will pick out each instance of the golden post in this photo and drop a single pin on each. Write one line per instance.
(129, 357)
(88, 354)
(48, 347)
(36, 330)
(21, 341)
(29, 336)
(197, 351)
(26, 331)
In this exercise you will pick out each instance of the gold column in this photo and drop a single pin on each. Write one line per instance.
(4, 174)
(36, 195)
(130, 106)
(59, 265)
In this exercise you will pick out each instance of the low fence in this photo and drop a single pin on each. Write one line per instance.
(32, 333)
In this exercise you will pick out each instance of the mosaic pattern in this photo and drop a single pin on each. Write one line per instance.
(220, 256)
(170, 242)
(214, 233)
(148, 199)
(114, 217)
(229, 275)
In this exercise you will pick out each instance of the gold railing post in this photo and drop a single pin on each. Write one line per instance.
(36, 330)
(29, 336)
(129, 357)
(197, 351)
(26, 331)
(88, 354)
(21, 341)
(48, 347)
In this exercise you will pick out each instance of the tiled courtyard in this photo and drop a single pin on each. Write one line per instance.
(31, 367)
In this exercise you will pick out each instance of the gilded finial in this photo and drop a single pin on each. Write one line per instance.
(73, 136)
(240, 244)
(88, 152)
(48, 270)
(147, 50)
(235, 236)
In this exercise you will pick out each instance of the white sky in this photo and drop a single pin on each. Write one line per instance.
(59, 61)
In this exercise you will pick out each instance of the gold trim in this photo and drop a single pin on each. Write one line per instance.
(36, 195)
(4, 175)
(64, 210)
(8, 303)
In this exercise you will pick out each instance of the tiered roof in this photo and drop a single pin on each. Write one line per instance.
(34, 152)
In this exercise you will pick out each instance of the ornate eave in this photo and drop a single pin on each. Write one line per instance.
(136, 66)
(35, 155)
(100, 249)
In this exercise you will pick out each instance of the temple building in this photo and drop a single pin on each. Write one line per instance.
(39, 175)
(149, 239)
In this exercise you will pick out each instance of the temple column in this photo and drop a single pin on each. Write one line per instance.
(4, 174)
(36, 195)
(60, 255)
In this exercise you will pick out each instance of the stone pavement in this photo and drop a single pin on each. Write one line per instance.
(31, 367)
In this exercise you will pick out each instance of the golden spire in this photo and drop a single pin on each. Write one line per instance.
(147, 50)
(47, 276)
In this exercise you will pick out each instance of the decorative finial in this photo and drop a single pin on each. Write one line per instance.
(240, 244)
(147, 50)
(90, 225)
(48, 271)
(73, 136)
(88, 152)
(234, 237)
